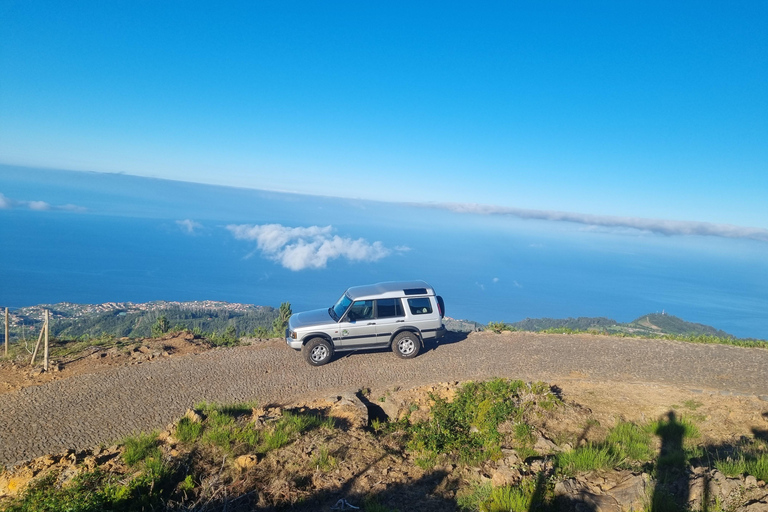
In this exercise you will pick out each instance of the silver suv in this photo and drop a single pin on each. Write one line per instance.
(400, 315)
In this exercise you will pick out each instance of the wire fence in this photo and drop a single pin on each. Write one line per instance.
(43, 338)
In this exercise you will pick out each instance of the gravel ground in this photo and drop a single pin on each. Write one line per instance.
(86, 410)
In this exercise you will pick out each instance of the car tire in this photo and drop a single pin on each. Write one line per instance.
(406, 345)
(317, 351)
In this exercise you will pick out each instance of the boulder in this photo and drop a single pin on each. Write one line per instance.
(349, 409)
(755, 506)
(631, 492)
(15, 483)
(504, 476)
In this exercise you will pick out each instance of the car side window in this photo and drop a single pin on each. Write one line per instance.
(361, 310)
(420, 306)
(389, 308)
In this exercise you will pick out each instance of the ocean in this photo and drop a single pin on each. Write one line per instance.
(91, 238)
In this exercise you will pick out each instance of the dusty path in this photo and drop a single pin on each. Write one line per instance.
(86, 410)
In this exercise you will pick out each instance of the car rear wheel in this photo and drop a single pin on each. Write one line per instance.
(406, 345)
(317, 351)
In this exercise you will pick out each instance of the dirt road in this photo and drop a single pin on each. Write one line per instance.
(83, 411)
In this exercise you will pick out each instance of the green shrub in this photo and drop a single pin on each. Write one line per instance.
(468, 425)
(498, 327)
(161, 326)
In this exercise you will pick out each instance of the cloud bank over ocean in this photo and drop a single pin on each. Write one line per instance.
(6, 203)
(307, 247)
(658, 226)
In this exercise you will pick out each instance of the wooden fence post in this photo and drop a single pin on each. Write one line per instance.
(45, 360)
(37, 346)
(6, 332)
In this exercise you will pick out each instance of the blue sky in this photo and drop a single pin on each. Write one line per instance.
(630, 109)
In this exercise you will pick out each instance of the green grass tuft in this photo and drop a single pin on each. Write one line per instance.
(140, 447)
(188, 431)
(745, 464)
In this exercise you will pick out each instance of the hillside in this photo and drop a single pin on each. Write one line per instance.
(652, 324)
(127, 319)
(670, 324)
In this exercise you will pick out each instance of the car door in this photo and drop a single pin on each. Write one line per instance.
(420, 309)
(358, 327)
(390, 315)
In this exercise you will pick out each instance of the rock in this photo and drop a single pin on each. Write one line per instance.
(755, 506)
(90, 463)
(697, 490)
(44, 462)
(511, 457)
(193, 416)
(12, 485)
(68, 459)
(750, 481)
(348, 408)
(600, 503)
(544, 446)
(631, 492)
(67, 475)
(723, 486)
(246, 462)
(504, 476)
(567, 487)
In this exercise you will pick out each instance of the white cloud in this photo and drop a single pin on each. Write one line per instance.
(189, 226)
(38, 205)
(306, 247)
(495, 280)
(6, 203)
(658, 226)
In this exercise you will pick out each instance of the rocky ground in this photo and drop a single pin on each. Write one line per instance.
(97, 399)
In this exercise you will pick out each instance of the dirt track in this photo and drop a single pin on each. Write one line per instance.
(89, 409)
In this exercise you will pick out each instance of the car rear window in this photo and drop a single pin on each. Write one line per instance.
(420, 306)
(388, 308)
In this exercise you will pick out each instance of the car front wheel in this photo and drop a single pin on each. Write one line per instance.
(406, 345)
(317, 351)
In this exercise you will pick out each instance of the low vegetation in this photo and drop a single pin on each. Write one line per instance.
(243, 457)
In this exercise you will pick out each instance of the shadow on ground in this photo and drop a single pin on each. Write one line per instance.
(450, 338)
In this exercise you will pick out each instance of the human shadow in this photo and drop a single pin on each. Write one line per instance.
(672, 483)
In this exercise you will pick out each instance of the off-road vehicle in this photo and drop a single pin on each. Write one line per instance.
(401, 315)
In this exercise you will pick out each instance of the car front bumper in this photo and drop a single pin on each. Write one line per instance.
(295, 344)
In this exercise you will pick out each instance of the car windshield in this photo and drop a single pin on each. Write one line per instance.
(341, 306)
